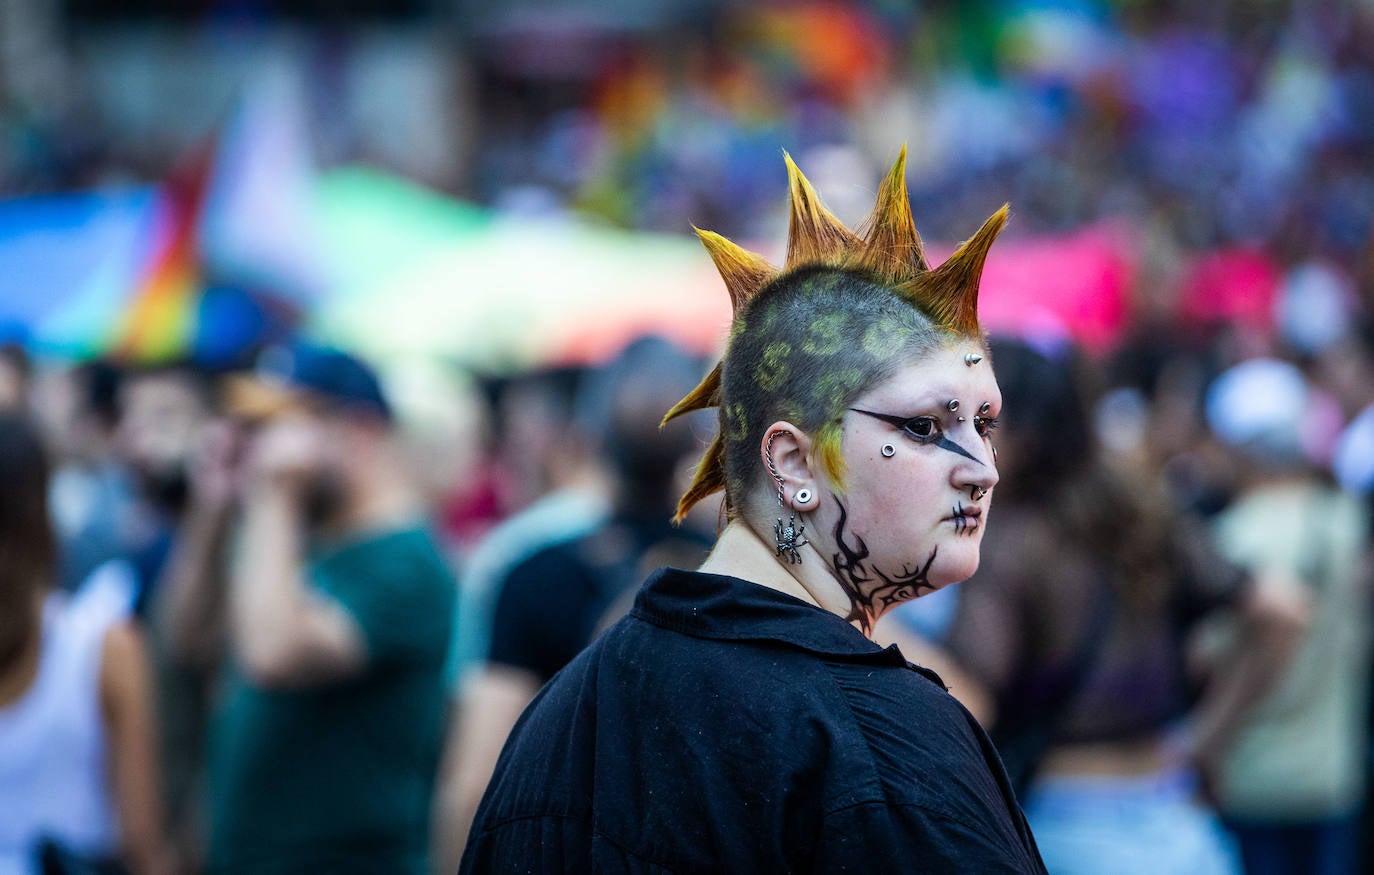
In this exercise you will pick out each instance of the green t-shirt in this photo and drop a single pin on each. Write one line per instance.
(338, 778)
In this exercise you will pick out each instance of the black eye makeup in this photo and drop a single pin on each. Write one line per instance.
(926, 429)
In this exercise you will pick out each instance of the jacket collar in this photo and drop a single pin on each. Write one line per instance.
(726, 608)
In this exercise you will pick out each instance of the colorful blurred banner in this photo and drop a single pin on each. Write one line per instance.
(160, 318)
(1050, 289)
(68, 264)
(404, 272)
(260, 227)
(513, 294)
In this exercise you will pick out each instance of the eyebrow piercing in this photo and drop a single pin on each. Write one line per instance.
(984, 408)
(972, 359)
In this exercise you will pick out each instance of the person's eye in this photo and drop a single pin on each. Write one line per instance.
(984, 425)
(922, 428)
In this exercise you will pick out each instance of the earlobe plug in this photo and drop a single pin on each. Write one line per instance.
(803, 496)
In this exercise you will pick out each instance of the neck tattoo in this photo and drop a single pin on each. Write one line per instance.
(871, 591)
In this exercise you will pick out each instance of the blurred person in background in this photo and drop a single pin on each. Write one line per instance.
(615, 527)
(163, 410)
(741, 718)
(563, 457)
(16, 374)
(94, 501)
(1291, 781)
(78, 762)
(1070, 642)
(336, 619)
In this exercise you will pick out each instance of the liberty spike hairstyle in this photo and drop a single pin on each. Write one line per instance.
(845, 312)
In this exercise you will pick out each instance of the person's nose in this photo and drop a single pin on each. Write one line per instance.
(976, 476)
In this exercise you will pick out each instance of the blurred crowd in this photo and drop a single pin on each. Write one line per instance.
(1178, 555)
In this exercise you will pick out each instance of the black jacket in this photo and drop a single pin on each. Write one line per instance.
(726, 727)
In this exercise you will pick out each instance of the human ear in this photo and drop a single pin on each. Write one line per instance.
(785, 451)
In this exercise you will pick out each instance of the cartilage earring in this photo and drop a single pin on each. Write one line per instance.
(889, 450)
(792, 534)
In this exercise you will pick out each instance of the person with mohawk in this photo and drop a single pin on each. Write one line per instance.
(741, 718)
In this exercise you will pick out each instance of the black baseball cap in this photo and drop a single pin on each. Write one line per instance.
(300, 373)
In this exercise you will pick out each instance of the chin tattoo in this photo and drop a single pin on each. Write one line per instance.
(871, 591)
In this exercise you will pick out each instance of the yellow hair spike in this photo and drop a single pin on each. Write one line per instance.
(949, 293)
(704, 396)
(814, 235)
(893, 249)
(745, 273)
(709, 477)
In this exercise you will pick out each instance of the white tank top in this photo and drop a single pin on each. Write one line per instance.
(53, 770)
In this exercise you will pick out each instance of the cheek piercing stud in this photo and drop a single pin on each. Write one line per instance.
(953, 404)
(889, 450)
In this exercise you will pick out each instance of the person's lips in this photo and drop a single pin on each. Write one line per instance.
(965, 520)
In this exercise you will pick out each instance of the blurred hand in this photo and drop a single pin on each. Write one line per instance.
(215, 473)
(1281, 607)
(285, 453)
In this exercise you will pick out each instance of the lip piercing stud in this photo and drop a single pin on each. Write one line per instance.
(803, 496)
(972, 359)
(889, 450)
(953, 404)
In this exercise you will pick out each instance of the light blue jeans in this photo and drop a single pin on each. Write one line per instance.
(1148, 825)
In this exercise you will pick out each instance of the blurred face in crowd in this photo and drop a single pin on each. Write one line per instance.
(162, 415)
(12, 386)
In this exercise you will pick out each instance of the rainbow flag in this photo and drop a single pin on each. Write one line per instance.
(160, 321)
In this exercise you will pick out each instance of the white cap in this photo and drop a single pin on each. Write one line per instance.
(1260, 407)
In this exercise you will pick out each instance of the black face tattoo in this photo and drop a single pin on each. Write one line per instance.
(923, 430)
(868, 598)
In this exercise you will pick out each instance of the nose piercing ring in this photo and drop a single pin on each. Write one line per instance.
(977, 493)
